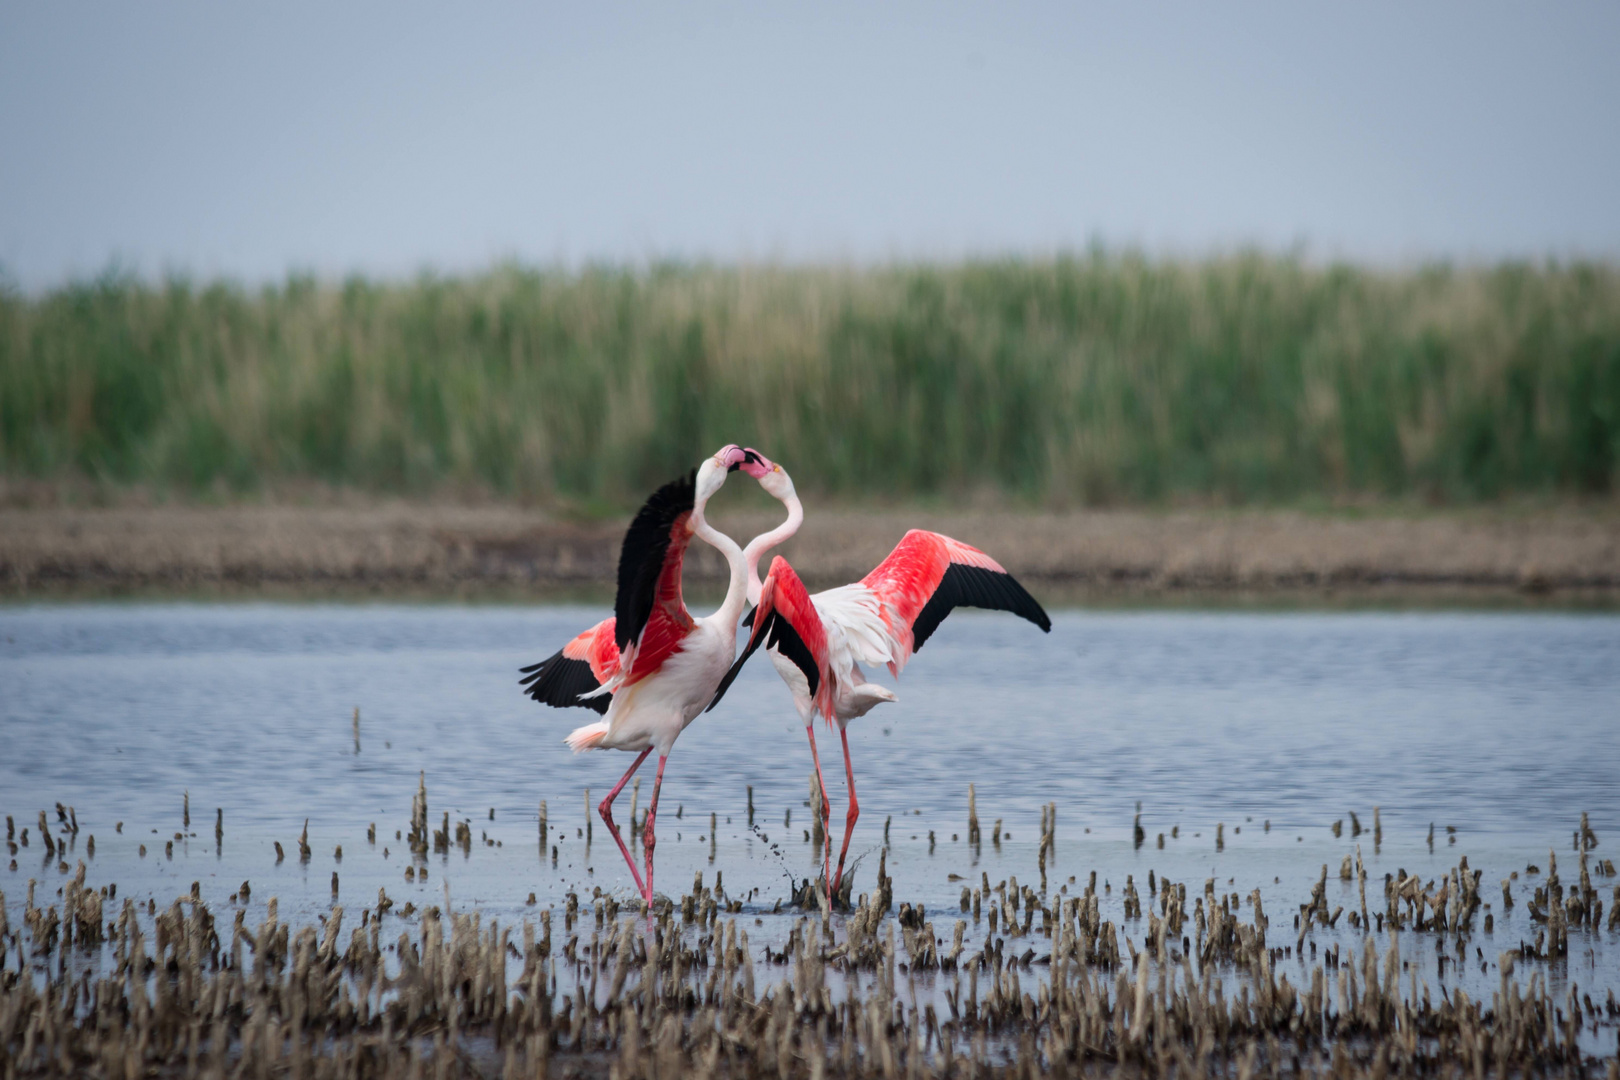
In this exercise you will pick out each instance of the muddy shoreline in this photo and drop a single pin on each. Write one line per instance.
(427, 550)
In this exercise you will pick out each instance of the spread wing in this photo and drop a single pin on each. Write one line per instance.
(787, 621)
(925, 578)
(649, 611)
(578, 668)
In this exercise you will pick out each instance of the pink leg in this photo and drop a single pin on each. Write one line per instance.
(826, 812)
(648, 841)
(605, 808)
(854, 810)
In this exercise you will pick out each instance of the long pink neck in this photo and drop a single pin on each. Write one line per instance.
(759, 545)
(737, 589)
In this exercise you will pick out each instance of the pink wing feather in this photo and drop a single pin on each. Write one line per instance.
(578, 669)
(669, 622)
(786, 620)
(597, 648)
(927, 575)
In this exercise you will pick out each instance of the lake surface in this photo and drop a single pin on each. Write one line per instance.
(1504, 725)
(1501, 727)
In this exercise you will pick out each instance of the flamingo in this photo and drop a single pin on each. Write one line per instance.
(818, 642)
(652, 668)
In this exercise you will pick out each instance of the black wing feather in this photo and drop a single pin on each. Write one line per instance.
(641, 559)
(559, 680)
(786, 640)
(974, 586)
(778, 633)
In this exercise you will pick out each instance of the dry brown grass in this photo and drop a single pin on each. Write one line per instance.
(445, 548)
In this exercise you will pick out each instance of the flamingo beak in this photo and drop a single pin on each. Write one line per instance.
(756, 464)
(731, 457)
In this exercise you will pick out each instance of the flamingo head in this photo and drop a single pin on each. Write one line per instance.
(711, 475)
(732, 457)
(771, 476)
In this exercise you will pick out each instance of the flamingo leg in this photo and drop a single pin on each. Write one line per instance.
(648, 841)
(605, 808)
(826, 813)
(854, 810)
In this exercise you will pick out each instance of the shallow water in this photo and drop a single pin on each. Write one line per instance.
(1503, 727)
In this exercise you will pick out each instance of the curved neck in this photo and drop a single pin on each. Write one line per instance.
(759, 545)
(737, 590)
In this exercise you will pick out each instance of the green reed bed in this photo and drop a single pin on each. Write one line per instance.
(1093, 379)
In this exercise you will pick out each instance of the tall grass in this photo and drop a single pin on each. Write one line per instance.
(1093, 379)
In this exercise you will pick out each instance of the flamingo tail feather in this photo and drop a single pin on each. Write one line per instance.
(588, 737)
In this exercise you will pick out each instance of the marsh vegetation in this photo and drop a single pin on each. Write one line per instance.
(1094, 379)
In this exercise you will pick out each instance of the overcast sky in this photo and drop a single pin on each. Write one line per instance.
(250, 139)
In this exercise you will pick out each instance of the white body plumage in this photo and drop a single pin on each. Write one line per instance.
(652, 713)
(855, 633)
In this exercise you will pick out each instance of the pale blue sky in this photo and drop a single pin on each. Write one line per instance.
(247, 139)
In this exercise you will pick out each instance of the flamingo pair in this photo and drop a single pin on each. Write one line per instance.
(663, 668)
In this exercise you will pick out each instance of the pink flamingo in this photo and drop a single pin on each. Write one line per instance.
(818, 643)
(652, 668)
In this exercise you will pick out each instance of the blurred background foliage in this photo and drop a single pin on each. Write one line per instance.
(1103, 378)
